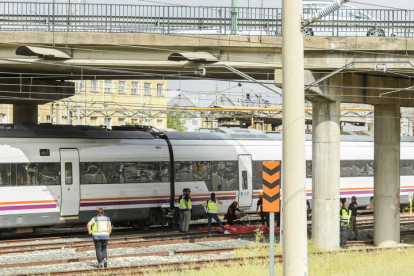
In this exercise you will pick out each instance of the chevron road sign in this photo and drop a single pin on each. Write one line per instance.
(271, 186)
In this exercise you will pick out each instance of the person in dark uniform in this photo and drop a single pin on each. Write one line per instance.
(354, 227)
(263, 215)
(345, 224)
(231, 212)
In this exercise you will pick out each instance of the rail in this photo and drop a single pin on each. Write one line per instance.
(123, 18)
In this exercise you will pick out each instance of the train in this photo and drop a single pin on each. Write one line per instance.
(53, 175)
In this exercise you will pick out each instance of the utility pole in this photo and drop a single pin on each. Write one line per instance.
(293, 146)
(233, 17)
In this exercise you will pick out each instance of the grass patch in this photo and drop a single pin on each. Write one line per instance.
(381, 262)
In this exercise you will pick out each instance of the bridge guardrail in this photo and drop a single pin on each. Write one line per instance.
(112, 18)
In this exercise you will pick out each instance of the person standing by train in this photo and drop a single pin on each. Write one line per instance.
(182, 207)
(100, 228)
(354, 227)
(263, 215)
(345, 220)
(185, 209)
(212, 209)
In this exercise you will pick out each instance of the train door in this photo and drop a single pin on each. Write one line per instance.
(245, 180)
(69, 167)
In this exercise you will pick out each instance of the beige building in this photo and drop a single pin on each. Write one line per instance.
(106, 102)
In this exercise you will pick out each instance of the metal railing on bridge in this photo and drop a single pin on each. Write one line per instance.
(120, 18)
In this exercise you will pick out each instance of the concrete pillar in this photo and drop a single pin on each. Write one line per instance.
(386, 175)
(326, 174)
(293, 146)
(25, 113)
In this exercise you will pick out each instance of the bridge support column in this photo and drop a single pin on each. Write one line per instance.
(386, 175)
(325, 174)
(25, 113)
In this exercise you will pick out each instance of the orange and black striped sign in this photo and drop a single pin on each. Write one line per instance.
(271, 186)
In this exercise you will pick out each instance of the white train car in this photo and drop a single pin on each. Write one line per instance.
(52, 175)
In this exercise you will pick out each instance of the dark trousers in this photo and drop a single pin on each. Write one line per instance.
(210, 217)
(344, 235)
(354, 227)
(265, 218)
(231, 218)
(181, 219)
(100, 248)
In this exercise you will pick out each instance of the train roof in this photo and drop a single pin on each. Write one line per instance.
(145, 132)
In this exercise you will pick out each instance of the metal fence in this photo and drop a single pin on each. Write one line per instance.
(113, 18)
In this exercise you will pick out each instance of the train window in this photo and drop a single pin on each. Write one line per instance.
(346, 168)
(184, 171)
(48, 174)
(132, 172)
(26, 174)
(225, 176)
(112, 172)
(359, 168)
(68, 173)
(5, 174)
(370, 168)
(153, 172)
(165, 171)
(202, 171)
(308, 168)
(92, 173)
(257, 175)
(244, 180)
(406, 167)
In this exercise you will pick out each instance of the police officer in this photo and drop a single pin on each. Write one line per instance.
(354, 227)
(100, 228)
(212, 209)
(345, 224)
(263, 215)
(182, 207)
(185, 210)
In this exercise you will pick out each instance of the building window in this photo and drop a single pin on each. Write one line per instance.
(122, 87)
(147, 89)
(93, 121)
(108, 86)
(121, 121)
(48, 118)
(134, 121)
(134, 87)
(160, 123)
(160, 89)
(94, 86)
(80, 85)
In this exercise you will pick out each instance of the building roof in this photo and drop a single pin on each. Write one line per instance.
(181, 100)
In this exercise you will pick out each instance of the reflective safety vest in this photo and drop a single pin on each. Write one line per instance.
(345, 217)
(100, 228)
(212, 207)
(182, 204)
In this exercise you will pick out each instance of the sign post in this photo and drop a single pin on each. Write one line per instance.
(271, 202)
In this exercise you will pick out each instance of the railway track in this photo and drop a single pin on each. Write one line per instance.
(196, 265)
(86, 245)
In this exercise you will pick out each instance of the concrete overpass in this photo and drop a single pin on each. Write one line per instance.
(134, 53)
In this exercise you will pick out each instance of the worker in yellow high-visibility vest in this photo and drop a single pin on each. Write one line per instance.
(345, 224)
(185, 210)
(212, 210)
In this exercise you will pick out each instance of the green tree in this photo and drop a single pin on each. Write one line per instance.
(174, 120)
